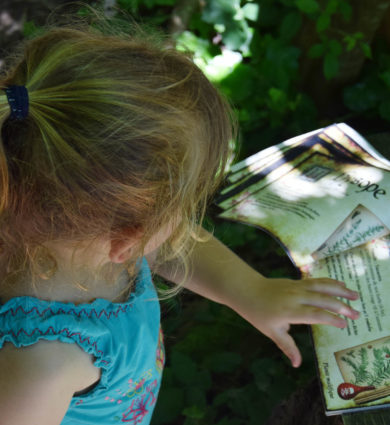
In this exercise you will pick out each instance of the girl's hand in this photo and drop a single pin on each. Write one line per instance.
(271, 305)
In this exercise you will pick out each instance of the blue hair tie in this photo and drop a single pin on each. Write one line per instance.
(18, 101)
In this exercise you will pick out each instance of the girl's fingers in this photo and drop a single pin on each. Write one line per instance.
(313, 315)
(329, 303)
(331, 287)
(287, 344)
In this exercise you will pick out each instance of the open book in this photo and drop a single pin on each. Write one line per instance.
(325, 196)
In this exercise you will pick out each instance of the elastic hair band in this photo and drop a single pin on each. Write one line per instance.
(18, 101)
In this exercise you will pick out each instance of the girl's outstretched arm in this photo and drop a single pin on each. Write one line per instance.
(270, 305)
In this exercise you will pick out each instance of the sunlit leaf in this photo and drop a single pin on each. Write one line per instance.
(220, 11)
(251, 11)
(219, 67)
(237, 35)
(189, 41)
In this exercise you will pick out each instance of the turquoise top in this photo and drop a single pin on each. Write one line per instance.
(125, 339)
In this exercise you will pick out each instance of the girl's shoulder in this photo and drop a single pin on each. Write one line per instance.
(59, 368)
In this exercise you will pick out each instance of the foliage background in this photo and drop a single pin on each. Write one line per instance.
(288, 66)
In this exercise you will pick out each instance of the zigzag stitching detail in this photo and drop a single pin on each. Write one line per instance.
(50, 331)
(72, 311)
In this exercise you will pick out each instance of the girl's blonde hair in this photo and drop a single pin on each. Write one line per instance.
(123, 131)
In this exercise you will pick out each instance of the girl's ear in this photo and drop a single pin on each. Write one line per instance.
(122, 248)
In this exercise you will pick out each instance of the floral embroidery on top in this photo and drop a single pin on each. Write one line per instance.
(140, 406)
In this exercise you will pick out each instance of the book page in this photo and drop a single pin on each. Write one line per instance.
(305, 206)
(359, 227)
(357, 145)
(357, 356)
(266, 155)
(273, 162)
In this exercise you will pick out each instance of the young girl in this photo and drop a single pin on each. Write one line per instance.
(111, 146)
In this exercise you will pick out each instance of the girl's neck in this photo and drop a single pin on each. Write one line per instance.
(60, 288)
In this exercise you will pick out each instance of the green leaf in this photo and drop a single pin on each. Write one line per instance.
(187, 40)
(331, 65)
(195, 395)
(364, 95)
(31, 30)
(149, 3)
(203, 380)
(290, 25)
(277, 96)
(345, 9)
(169, 405)
(237, 35)
(224, 361)
(385, 77)
(307, 6)
(165, 2)
(239, 86)
(366, 50)
(183, 367)
(323, 22)
(251, 11)
(220, 11)
(194, 412)
(316, 51)
(335, 47)
(226, 421)
(350, 42)
(332, 6)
